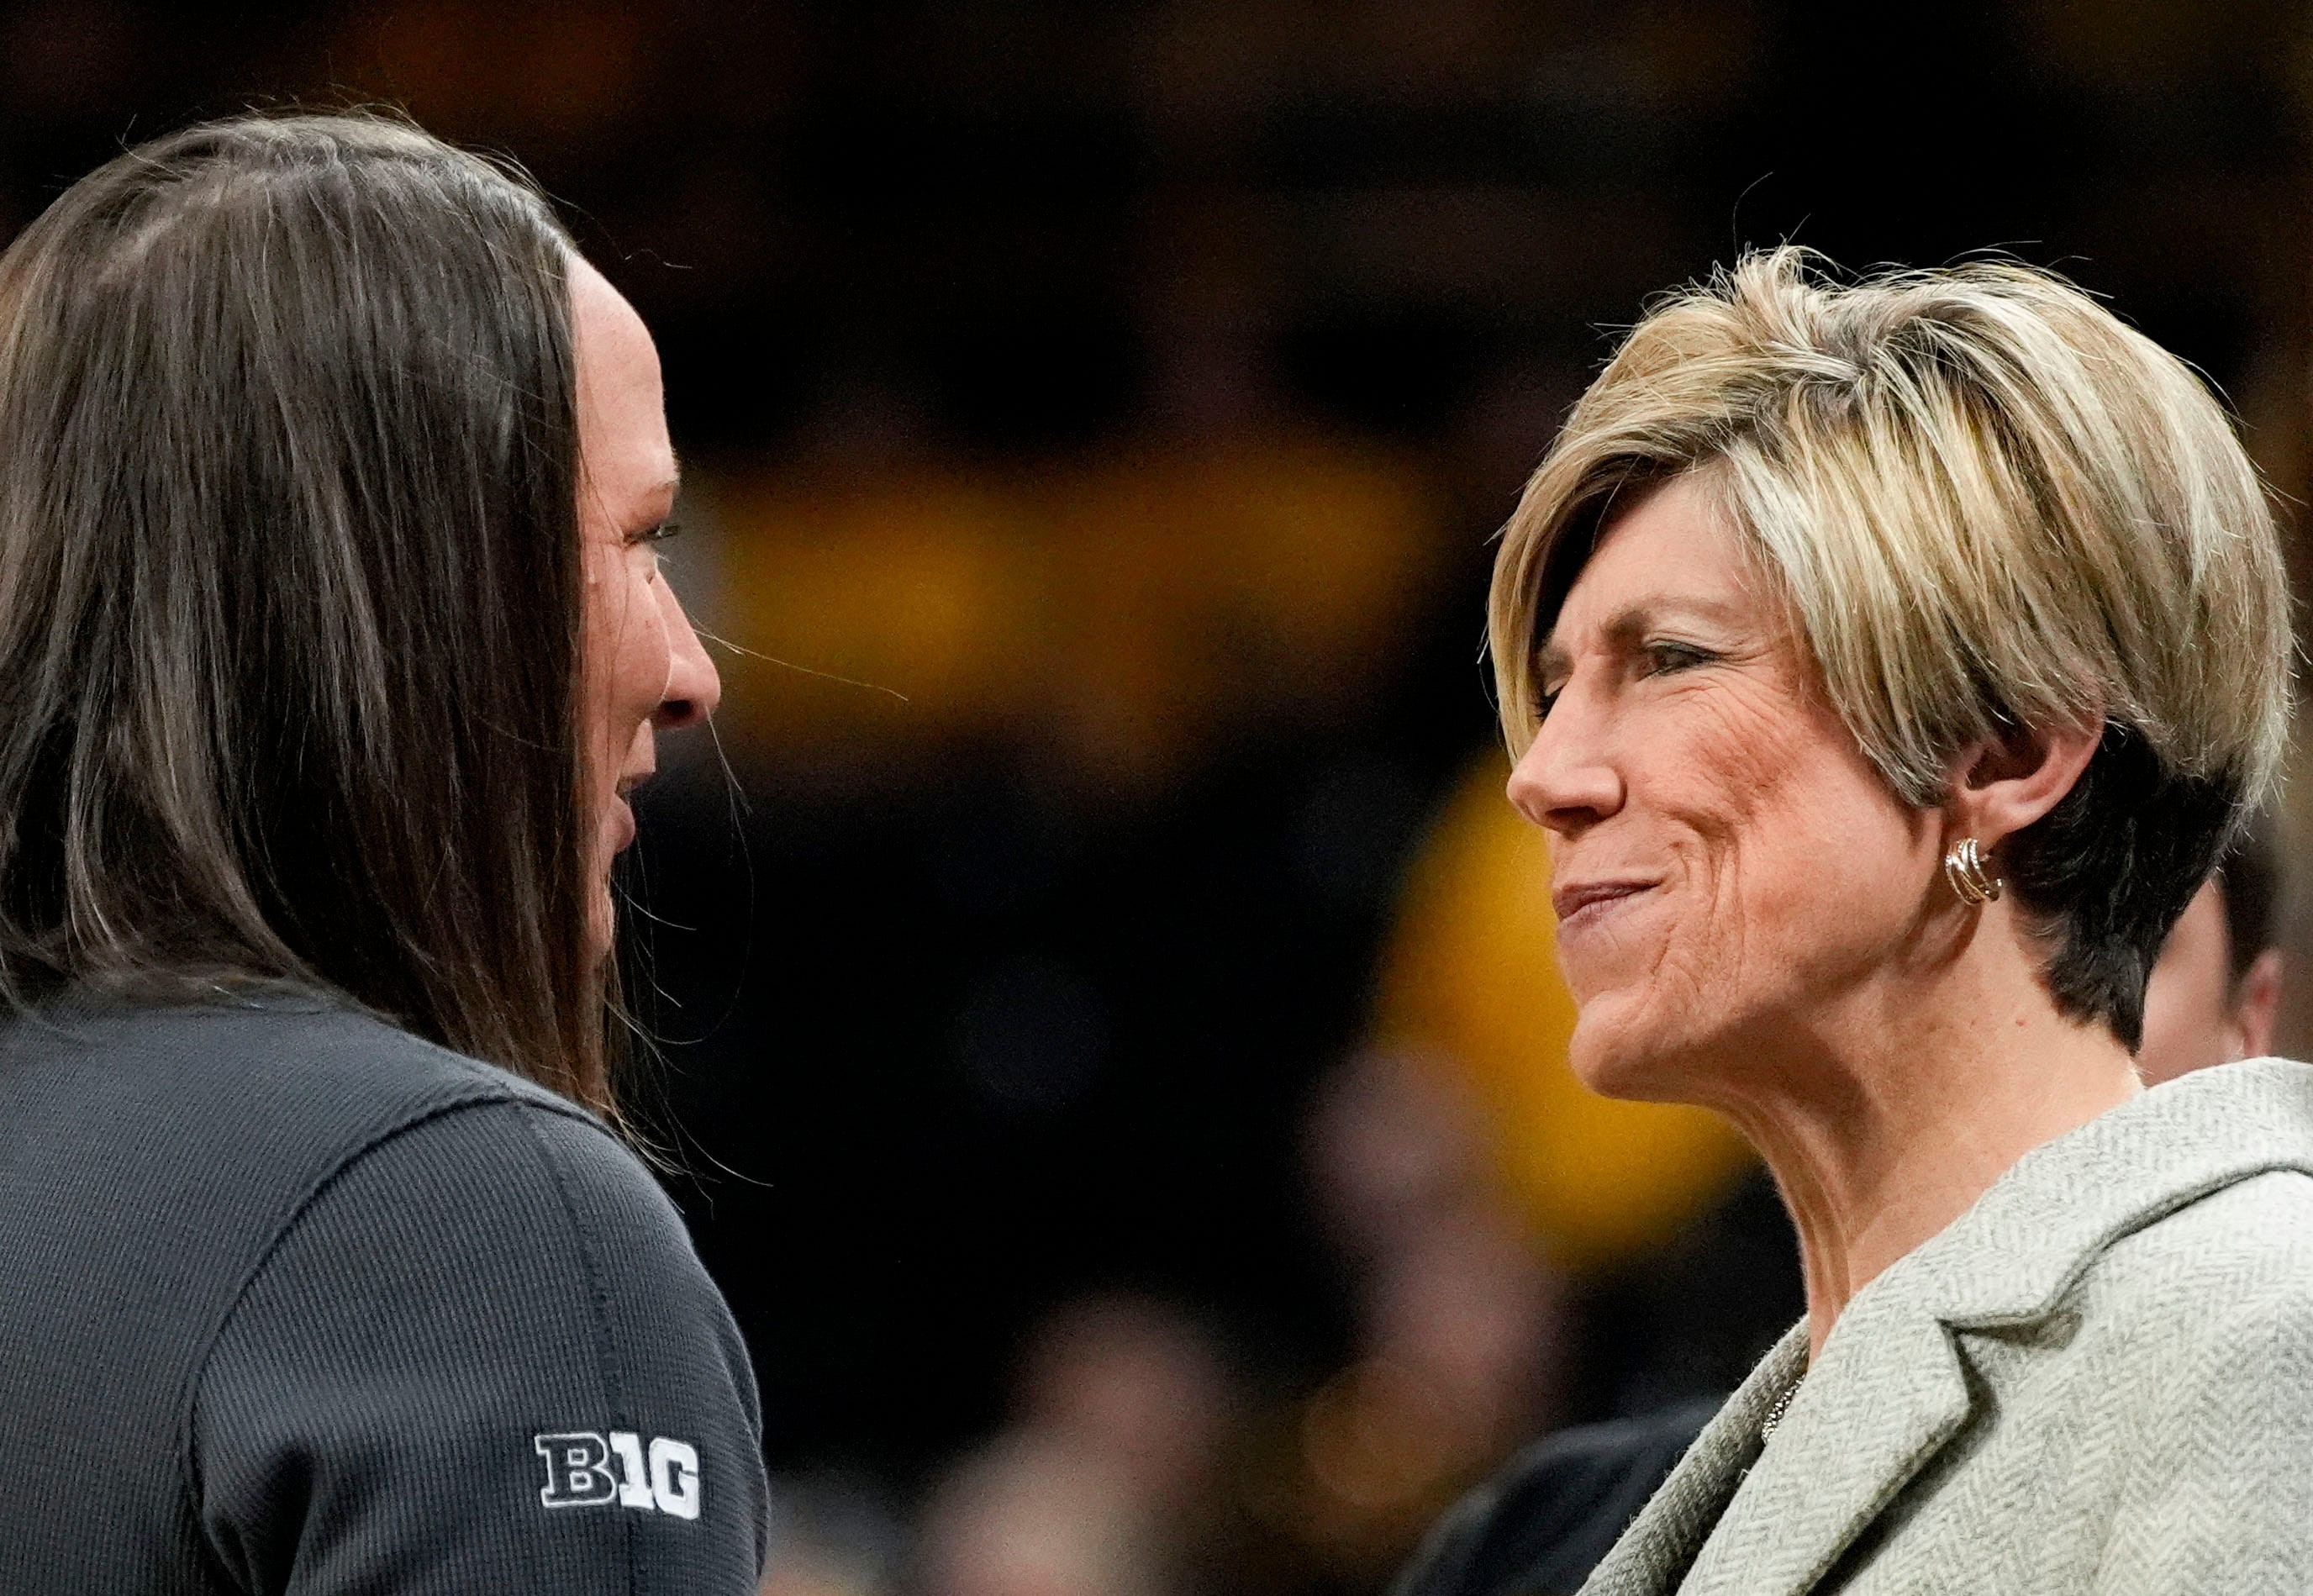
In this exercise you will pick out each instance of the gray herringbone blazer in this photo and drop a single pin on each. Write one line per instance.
(2098, 1380)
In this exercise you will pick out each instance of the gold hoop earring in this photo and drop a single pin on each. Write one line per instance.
(1963, 869)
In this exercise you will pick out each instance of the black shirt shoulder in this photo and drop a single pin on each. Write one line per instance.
(328, 1308)
(1540, 1526)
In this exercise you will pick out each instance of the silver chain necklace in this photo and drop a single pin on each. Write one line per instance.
(1783, 1406)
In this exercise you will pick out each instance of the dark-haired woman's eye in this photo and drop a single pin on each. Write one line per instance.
(657, 534)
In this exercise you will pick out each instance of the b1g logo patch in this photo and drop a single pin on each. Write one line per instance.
(586, 1470)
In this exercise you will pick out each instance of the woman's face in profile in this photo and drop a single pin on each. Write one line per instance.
(1728, 868)
(643, 668)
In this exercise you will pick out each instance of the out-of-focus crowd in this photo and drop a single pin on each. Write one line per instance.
(1137, 1459)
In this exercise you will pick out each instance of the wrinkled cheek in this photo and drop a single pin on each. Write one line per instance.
(1685, 984)
(1692, 978)
(1709, 962)
(1738, 877)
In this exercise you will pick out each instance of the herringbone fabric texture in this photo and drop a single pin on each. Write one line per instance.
(2099, 1380)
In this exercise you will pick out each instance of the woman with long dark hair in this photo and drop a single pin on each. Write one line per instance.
(331, 640)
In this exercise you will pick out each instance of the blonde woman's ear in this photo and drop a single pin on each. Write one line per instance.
(2006, 784)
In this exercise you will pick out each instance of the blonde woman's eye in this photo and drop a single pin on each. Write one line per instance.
(1664, 659)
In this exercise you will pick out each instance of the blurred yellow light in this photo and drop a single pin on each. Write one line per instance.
(1124, 610)
(926, 589)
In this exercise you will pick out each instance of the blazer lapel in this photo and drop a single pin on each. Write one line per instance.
(1887, 1394)
(1654, 1553)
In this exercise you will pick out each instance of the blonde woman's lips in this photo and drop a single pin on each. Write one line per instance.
(1581, 903)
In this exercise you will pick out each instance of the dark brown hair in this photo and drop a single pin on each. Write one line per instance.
(290, 589)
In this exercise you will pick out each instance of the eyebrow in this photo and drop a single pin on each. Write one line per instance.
(670, 485)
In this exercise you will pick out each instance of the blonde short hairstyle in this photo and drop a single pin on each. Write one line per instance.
(1989, 504)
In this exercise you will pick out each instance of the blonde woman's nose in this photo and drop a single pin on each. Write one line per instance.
(1563, 782)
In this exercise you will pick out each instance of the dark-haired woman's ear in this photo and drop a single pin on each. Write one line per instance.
(2005, 783)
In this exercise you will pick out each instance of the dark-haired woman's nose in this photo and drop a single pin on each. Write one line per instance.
(693, 685)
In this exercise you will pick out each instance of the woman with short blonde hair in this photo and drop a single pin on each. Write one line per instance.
(1889, 661)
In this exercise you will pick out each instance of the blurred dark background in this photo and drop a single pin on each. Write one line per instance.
(1096, 419)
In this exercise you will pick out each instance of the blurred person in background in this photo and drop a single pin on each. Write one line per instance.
(1457, 1338)
(1104, 1484)
(332, 638)
(2216, 992)
(1130, 1465)
(833, 1533)
(1544, 1522)
(1889, 663)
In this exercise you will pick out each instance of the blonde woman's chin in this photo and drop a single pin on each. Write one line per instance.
(1614, 1054)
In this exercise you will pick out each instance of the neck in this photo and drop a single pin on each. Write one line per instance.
(1894, 1115)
